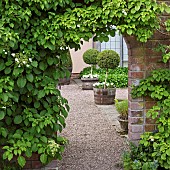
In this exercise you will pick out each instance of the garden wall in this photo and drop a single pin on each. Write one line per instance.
(142, 60)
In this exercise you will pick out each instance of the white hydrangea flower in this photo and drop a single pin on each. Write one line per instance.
(13, 54)
(6, 53)
(124, 12)
(24, 62)
(30, 59)
(17, 60)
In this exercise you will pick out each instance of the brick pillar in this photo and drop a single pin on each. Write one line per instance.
(142, 60)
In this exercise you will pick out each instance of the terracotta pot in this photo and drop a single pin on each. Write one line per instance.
(123, 124)
(87, 83)
(104, 96)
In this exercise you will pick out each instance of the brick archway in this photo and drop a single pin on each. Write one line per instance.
(142, 60)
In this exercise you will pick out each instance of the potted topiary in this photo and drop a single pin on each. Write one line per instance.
(122, 108)
(104, 93)
(89, 57)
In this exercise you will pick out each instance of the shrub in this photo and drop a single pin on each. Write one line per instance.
(90, 56)
(117, 76)
(108, 59)
(122, 108)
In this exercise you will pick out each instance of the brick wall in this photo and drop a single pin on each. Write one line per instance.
(142, 60)
(32, 163)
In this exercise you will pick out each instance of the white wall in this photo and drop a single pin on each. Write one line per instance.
(77, 57)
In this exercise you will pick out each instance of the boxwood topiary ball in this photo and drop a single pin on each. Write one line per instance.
(108, 59)
(90, 56)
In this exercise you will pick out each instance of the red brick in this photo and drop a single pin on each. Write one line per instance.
(150, 104)
(133, 60)
(150, 128)
(136, 74)
(36, 164)
(136, 128)
(133, 81)
(136, 113)
(28, 165)
(136, 120)
(134, 136)
(136, 67)
(136, 105)
(150, 121)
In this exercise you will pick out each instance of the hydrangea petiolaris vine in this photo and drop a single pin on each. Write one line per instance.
(34, 39)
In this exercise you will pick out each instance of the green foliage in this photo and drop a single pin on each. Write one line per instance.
(122, 108)
(140, 158)
(119, 80)
(90, 56)
(154, 147)
(67, 62)
(34, 40)
(108, 59)
(32, 109)
(118, 76)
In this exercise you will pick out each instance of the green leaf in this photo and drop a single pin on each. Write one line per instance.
(21, 82)
(42, 65)
(30, 77)
(8, 120)
(2, 115)
(10, 156)
(4, 97)
(129, 31)
(7, 70)
(17, 136)
(28, 153)
(29, 86)
(11, 44)
(34, 147)
(60, 34)
(62, 120)
(56, 108)
(37, 104)
(168, 152)
(34, 63)
(41, 94)
(43, 139)
(9, 112)
(2, 65)
(4, 132)
(18, 119)
(17, 71)
(43, 158)
(21, 161)
(50, 61)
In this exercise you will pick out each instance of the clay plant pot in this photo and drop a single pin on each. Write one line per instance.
(87, 83)
(104, 96)
(123, 124)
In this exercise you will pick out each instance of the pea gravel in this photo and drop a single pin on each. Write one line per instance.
(94, 143)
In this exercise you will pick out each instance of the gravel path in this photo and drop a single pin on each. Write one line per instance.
(94, 143)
